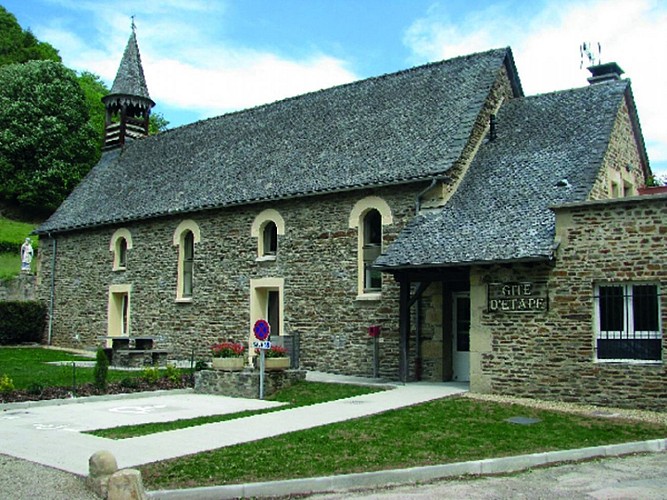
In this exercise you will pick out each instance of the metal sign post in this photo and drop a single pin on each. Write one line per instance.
(262, 330)
(261, 374)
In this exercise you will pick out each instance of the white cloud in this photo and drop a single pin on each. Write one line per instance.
(263, 78)
(546, 48)
(183, 64)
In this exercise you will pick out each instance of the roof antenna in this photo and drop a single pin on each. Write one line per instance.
(589, 50)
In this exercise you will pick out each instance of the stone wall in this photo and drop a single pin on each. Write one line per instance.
(622, 162)
(317, 263)
(22, 287)
(317, 258)
(551, 354)
(245, 384)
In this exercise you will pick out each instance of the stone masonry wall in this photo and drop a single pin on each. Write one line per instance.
(552, 355)
(317, 258)
(622, 161)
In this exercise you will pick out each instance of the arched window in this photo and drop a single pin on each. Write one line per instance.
(185, 237)
(266, 227)
(369, 216)
(122, 252)
(121, 242)
(188, 264)
(371, 249)
(270, 237)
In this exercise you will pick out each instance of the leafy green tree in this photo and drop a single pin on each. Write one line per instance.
(157, 123)
(94, 89)
(18, 45)
(46, 141)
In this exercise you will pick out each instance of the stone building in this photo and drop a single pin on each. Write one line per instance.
(493, 237)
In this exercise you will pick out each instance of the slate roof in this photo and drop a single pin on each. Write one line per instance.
(130, 79)
(391, 129)
(500, 212)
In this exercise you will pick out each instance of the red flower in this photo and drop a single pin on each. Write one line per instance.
(227, 350)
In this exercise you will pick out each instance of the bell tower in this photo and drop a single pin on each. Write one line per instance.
(128, 105)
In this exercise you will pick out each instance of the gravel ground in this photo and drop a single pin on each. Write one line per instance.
(592, 411)
(23, 480)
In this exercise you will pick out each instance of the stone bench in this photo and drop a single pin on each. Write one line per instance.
(140, 343)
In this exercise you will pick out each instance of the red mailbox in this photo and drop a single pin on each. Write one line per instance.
(374, 330)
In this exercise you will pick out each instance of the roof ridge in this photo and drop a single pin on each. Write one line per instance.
(355, 83)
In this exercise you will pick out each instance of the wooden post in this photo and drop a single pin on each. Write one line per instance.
(404, 328)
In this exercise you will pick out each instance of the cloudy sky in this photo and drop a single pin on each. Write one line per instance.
(207, 57)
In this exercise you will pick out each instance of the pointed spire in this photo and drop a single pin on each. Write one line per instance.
(128, 104)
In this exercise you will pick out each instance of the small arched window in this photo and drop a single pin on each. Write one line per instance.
(121, 242)
(270, 237)
(122, 253)
(266, 227)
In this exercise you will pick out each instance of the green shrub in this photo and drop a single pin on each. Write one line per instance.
(101, 370)
(129, 383)
(35, 388)
(6, 384)
(172, 373)
(201, 365)
(22, 321)
(151, 375)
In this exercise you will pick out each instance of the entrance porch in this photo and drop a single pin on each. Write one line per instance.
(434, 324)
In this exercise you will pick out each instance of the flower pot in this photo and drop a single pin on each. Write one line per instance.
(273, 364)
(228, 364)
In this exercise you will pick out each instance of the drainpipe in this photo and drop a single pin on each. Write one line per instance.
(53, 287)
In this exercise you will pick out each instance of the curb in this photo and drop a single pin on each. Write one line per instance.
(413, 475)
(91, 399)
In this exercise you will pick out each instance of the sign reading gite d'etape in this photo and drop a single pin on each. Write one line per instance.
(525, 296)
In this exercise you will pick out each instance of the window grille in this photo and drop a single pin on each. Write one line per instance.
(628, 322)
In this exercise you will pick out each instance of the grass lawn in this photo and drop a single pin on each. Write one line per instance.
(13, 232)
(26, 366)
(301, 394)
(443, 431)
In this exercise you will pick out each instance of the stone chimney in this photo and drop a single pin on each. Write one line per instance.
(604, 73)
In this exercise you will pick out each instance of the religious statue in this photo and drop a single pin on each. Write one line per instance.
(26, 255)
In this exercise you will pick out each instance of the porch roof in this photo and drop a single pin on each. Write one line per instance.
(548, 151)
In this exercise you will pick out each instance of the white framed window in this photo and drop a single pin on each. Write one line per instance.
(627, 318)
(188, 264)
(267, 227)
(369, 216)
(186, 236)
(371, 236)
(121, 242)
(118, 315)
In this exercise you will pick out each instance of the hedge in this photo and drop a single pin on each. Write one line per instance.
(21, 321)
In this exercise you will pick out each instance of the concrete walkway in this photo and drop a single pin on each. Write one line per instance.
(51, 434)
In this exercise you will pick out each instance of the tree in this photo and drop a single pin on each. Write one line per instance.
(18, 45)
(94, 89)
(46, 141)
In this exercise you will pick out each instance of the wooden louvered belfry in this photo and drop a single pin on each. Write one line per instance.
(128, 105)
